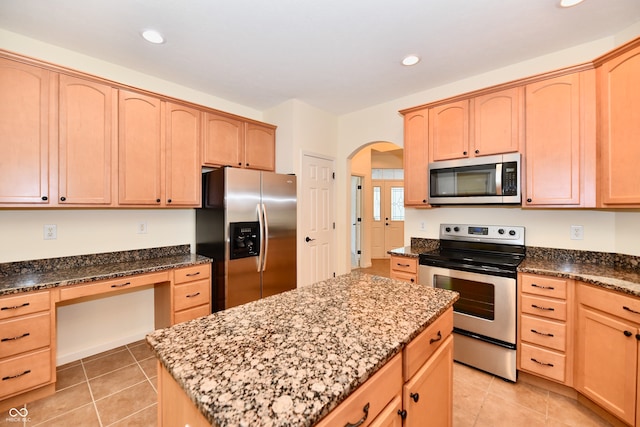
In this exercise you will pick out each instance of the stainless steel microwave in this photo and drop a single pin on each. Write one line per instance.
(476, 181)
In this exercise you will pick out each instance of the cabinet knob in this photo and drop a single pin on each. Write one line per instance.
(44, 198)
(477, 151)
(424, 200)
(239, 163)
(627, 333)
(529, 200)
(402, 413)
(62, 199)
(464, 152)
(247, 164)
(157, 200)
(414, 396)
(169, 201)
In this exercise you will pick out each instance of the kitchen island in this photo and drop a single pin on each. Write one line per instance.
(292, 358)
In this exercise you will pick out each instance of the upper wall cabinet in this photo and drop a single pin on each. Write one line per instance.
(229, 141)
(416, 158)
(87, 142)
(560, 141)
(25, 99)
(619, 103)
(481, 126)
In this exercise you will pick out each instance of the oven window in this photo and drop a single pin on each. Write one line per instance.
(476, 298)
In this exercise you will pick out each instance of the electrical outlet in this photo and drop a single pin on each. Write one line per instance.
(421, 225)
(142, 227)
(50, 232)
(577, 232)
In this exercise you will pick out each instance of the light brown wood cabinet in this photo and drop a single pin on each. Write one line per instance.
(416, 158)
(608, 349)
(27, 326)
(619, 118)
(158, 152)
(230, 141)
(26, 94)
(480, 126)
(404, 268)
(560, 141)
(87, 142)
(545, 338)
(186, 298)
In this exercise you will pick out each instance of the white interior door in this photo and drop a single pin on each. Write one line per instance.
(387, 229)
(317, 234)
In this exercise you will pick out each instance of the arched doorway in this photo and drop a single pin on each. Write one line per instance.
(377, 207)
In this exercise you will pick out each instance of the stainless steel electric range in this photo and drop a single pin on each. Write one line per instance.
(480, 262)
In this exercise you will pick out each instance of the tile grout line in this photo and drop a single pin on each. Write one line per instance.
(93, 400)
(131, 415)
(143, 371)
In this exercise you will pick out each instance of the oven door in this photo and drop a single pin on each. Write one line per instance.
(487, 304)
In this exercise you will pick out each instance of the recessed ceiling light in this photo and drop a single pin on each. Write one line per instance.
(152, 36)
(569, 3)
(410, 60)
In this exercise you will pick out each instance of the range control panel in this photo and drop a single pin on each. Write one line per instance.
(505, 234)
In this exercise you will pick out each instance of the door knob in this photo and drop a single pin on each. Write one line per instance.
(308, 239)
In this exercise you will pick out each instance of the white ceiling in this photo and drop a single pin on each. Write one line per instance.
(337, 55)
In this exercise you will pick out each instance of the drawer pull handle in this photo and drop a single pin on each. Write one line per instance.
(414, 396)
(403, 265)
(541, 363)
(26, 334)
(10, 377)
(363, 419)
(550, 288)
(121, 285)
(193, 274)
(432, 340)
(543, 308)
(541, 333)
(193, 295)
(624, 307)
(15, 307)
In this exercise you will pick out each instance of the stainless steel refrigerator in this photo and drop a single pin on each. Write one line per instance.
(247, 224)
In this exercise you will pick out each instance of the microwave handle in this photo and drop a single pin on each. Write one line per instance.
(498, 179)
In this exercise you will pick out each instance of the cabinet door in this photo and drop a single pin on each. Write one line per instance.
(24, 133)
(553, 141)
(606, 356)
(182, 159)
(619, 85)
(86, 142)
(416, 158)
(260, 147)
(449, 131)
(428, 395)
(223, 137)
(496, 122)
(139, 149)
(390, 415)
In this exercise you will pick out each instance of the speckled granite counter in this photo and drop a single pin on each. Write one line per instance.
(25, 276)
(418, 246)
(288, 360)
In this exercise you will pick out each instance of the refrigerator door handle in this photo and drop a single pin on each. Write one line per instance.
(261, 230)
(265, 238)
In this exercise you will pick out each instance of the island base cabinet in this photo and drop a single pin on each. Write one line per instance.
(428, 395)
(174, 407)
(389, 417)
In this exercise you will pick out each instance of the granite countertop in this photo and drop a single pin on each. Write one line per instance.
(26, 276)
(289, 359)
(613, 277)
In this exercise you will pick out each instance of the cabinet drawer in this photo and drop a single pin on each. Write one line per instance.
(406, 277)
(546, 307)
(191, 313)
(191, 294)
(544, 332)
(544, 285)
(424, 345)
(543, 362)
(106, 286)
(25, 303)
(21, 373)
(374, 394)
(389, 416)
(408, 265)
(189, 274)
(611, 302)
(25, 333)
